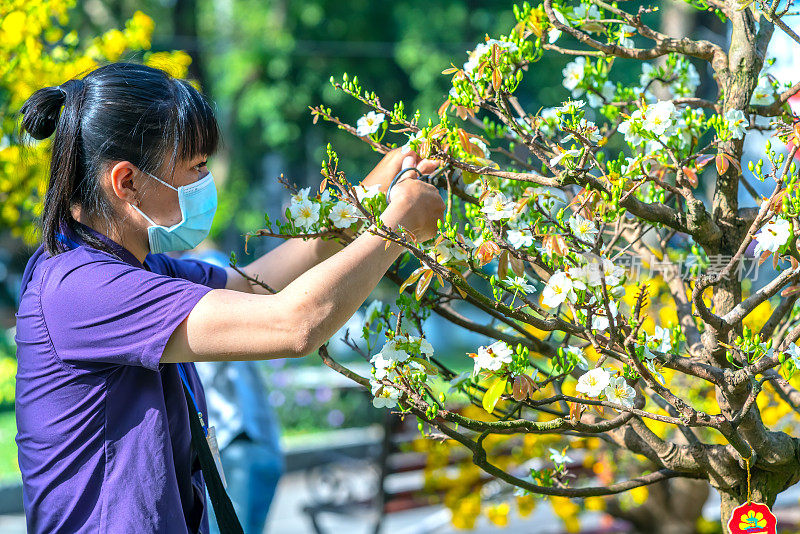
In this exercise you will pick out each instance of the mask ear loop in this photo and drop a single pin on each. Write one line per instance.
(160, 180)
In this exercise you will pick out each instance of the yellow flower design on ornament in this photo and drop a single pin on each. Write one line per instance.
(752, 520)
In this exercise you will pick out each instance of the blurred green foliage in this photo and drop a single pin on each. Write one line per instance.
(8, 368)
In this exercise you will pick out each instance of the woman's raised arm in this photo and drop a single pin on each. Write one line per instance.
(232, 325)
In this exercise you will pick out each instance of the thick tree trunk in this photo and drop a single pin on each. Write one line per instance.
(764, 488)
(736, 81)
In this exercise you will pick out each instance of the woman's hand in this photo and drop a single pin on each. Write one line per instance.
(392, 163)
(416, 205)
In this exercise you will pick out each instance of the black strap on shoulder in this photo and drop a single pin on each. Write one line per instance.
(223, 507)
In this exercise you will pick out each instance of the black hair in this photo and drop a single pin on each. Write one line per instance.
(117, 112)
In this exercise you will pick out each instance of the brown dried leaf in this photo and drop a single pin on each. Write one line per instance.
(443, 108)
(721, 162)
(487, 252)
(502, 265)
(691, 176)
(517, 265)
(497, 79)
(425, 149)
(424, 282)
(413, 277)
(519, 389)
(790, 290)
(703, 160)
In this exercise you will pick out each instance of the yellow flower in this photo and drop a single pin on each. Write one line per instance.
(525, 505)
(13, 27)
(595, 504)
(498, 514)
(639, 495)
(752, 519)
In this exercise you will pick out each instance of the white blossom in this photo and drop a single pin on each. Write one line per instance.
(563, 154)
(577, 355)
(593, 382)
(343, 215)
(392, 351)
(570, 106)
(600, 321)
(493, 357)
(559, 288)
(385, 396)
(475, 56)
(497, 207)
(612, 273)
(630, 128)
(419, 344)
(304, 213)
(626, 31)
(618, 391)
(659, 117)
(383, 365)
(583, 229)
(559, 457)
(736, 123)
(372, 311)
(447, 251)
(519, 283)
(589, 130)
(364, 192)
(301, 195)
(585, 11)
(519, 238)
(553, 33)
(794, 354)
(573, 74)
(772, 235)
(662, 338)
(417, 136)
(764, 93)
(651, 366)
(606, 95)
(369, 123)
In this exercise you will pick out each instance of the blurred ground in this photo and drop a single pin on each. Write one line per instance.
(287, 517)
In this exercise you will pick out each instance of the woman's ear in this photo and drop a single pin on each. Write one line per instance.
(121, 178)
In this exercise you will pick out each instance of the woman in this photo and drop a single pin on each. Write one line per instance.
(105, 321)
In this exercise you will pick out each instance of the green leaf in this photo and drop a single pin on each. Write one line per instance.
(493, 393)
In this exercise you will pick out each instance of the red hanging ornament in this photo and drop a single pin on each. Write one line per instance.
(752, 517)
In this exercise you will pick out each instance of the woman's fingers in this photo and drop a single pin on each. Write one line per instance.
(427, 166)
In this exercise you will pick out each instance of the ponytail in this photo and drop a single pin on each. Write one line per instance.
(42, 116)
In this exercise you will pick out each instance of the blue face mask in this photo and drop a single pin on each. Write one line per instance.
(198, 203)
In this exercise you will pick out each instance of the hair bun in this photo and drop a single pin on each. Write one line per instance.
(40, 112)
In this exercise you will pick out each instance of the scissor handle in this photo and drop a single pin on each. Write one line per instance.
(427, 177)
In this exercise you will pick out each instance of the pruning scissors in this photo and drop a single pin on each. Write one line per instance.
(424, 177)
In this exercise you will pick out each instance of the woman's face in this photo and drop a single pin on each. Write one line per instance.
(158, 201)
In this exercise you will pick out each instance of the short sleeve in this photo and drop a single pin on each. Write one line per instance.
(197, 271)
(99, 310)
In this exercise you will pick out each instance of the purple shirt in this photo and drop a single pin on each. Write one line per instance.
(103, 427)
